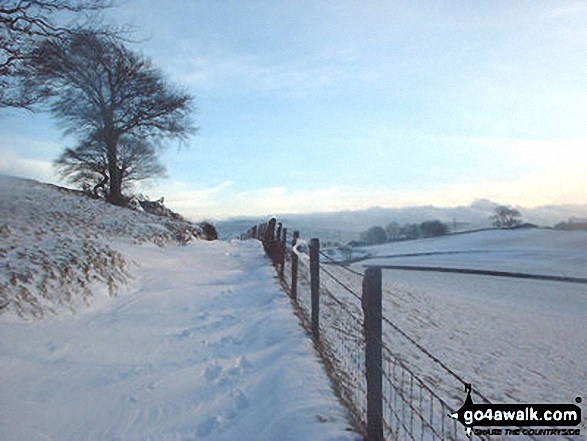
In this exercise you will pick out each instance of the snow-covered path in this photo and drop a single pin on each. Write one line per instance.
(204, 345)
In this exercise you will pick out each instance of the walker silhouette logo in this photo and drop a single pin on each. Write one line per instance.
(519, 416)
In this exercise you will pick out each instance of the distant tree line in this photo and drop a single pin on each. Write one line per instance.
(395, 232)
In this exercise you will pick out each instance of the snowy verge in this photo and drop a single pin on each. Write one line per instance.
(57, 247)
(204, 346)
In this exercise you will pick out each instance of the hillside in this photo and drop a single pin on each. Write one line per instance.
(57, 247)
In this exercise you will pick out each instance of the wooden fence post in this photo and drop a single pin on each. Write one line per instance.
(269, 238)
(315, 285)
(282, 249)
(372, 313)
(270, 233)
(278, 232)
(261, 232)
(294, 266)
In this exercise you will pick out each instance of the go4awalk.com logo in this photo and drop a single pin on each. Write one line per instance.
(519, 419)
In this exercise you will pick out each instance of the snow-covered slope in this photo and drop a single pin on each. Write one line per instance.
(202, 345)
(516, 340)
(56, 247)
(535, 251)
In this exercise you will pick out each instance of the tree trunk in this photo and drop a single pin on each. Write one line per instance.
(115, 193)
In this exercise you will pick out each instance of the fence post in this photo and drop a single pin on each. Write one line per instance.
(315, 285)
(372, 312)
(269, 238)
(282, 250)
(278, 232)
(294, 266)
(263, 231)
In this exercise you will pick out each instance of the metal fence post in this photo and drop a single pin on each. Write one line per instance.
(294, 266)
(315, 285)
(372, 312)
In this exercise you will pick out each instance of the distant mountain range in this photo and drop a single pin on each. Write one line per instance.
(345, 226)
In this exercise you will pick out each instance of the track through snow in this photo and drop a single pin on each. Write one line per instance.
(203, 346)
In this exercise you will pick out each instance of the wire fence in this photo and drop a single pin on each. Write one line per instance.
(331, 302)
(411, 409)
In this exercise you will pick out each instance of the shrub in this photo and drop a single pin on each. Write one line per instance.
(209, 231)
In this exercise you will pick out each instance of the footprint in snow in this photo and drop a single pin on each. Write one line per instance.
(241, 401)
(57, 350)
(242, 364)
(207, 427)
(212, 372)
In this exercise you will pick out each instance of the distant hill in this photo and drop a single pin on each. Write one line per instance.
(345, 226)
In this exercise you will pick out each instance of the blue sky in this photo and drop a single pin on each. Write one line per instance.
(308, 106)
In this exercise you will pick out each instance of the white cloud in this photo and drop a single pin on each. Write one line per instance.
(546, 187)
(38, 169)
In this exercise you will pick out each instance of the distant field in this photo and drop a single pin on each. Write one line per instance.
(536, 251)
(515, 340)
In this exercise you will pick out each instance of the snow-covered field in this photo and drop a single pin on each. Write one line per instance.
(515, 340)
(534, 251)
(196, 341)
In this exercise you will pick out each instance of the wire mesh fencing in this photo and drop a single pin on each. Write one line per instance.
(387, 398)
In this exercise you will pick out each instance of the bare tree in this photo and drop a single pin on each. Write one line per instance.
(393, 231)
(410, 231)
(99, 90)
(506, 217)
(433, 228)
(87, 164)
(23, 23)
(374, 236)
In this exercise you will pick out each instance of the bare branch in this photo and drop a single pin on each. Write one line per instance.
(115, 101)
(25, 23)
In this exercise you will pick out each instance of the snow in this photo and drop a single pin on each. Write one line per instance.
(535, 251)
(57, 247)
(515, 340)
(112, 330)
(200, 342)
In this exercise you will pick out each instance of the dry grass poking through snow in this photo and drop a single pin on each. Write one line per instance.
(56, 246)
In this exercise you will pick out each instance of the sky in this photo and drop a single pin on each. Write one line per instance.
(306, 106)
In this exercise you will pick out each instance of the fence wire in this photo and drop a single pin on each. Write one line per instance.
(341, 328)
(411, 408)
